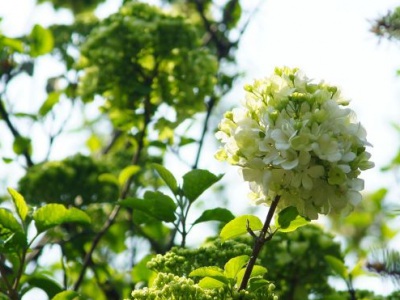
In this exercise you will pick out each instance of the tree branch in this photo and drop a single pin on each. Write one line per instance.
(5, 116)
(259, 242)
(124, 192)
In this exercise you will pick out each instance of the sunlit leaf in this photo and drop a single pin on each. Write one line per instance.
(94, 143)
(196, 182)
(258, 271)
(155, 204)
(216, 214)
(234, 265)
(52, 99)
(19, 202)
(22, 145)
(8, 223)
(52, 215)
(67, 295)
(337, 266)
(207, 272)
(127, 173)
(14, 44)
(239, 226)
(41, 41)
(289, 220)
(167, 176)
(211, 283)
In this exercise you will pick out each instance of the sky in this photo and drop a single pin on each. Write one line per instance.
(328, 39)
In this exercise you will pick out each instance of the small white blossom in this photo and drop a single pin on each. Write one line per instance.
(296, 139)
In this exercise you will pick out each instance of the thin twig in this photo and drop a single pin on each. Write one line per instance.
(5, 116)
(125, 190)
(259, 243)
(210, 106)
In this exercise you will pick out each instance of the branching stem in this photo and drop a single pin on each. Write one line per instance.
(259, 242)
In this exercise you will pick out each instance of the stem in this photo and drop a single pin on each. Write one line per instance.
(5, 116)
(124, 193)
(210, 106)
(259, 243)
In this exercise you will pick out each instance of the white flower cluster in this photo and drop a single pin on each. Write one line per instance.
(295, 139)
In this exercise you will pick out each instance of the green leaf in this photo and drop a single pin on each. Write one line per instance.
(48, 285)
(257, 283)
(140, 272)
(211, 283)
(52, 99)
(14, 44)
(337, 266)
(216, 214)
(167, 176)
(234, 265)
(52, 215)
(155, 204)
(238, 226)
(127, 173)
(8, 223)
(15, 243)
(67, 295)
(22, 145)
(196, 182)
(208, 272)
(19, 202)
(108, 178)
(7, 160)
(258, 271)
(289, 220)
(41, 41)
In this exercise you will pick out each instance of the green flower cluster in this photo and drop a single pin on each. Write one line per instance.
(169, 286)
(142, 53)
(72, 181)
(294, 138)
(182, 261)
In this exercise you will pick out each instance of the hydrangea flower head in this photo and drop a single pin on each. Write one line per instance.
(296, 139)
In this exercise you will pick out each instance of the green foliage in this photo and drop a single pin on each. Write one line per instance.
(16, 243)
(77, 6)
(239, 226)
(72, 181)
(150, 55)
(289, 220)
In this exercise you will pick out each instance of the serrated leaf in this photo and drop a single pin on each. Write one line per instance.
(211, 283)
(289, 220)
(234, 265)
(155, 204)
(52, 99)
(258, 271)
(41, 41)
(337, 266)
(207, 272)
(52, 215)
(127, 173)
(216, 214)
(19, 202)
(8, 223)
(196, 182)
(238, 226)
(167, 176)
